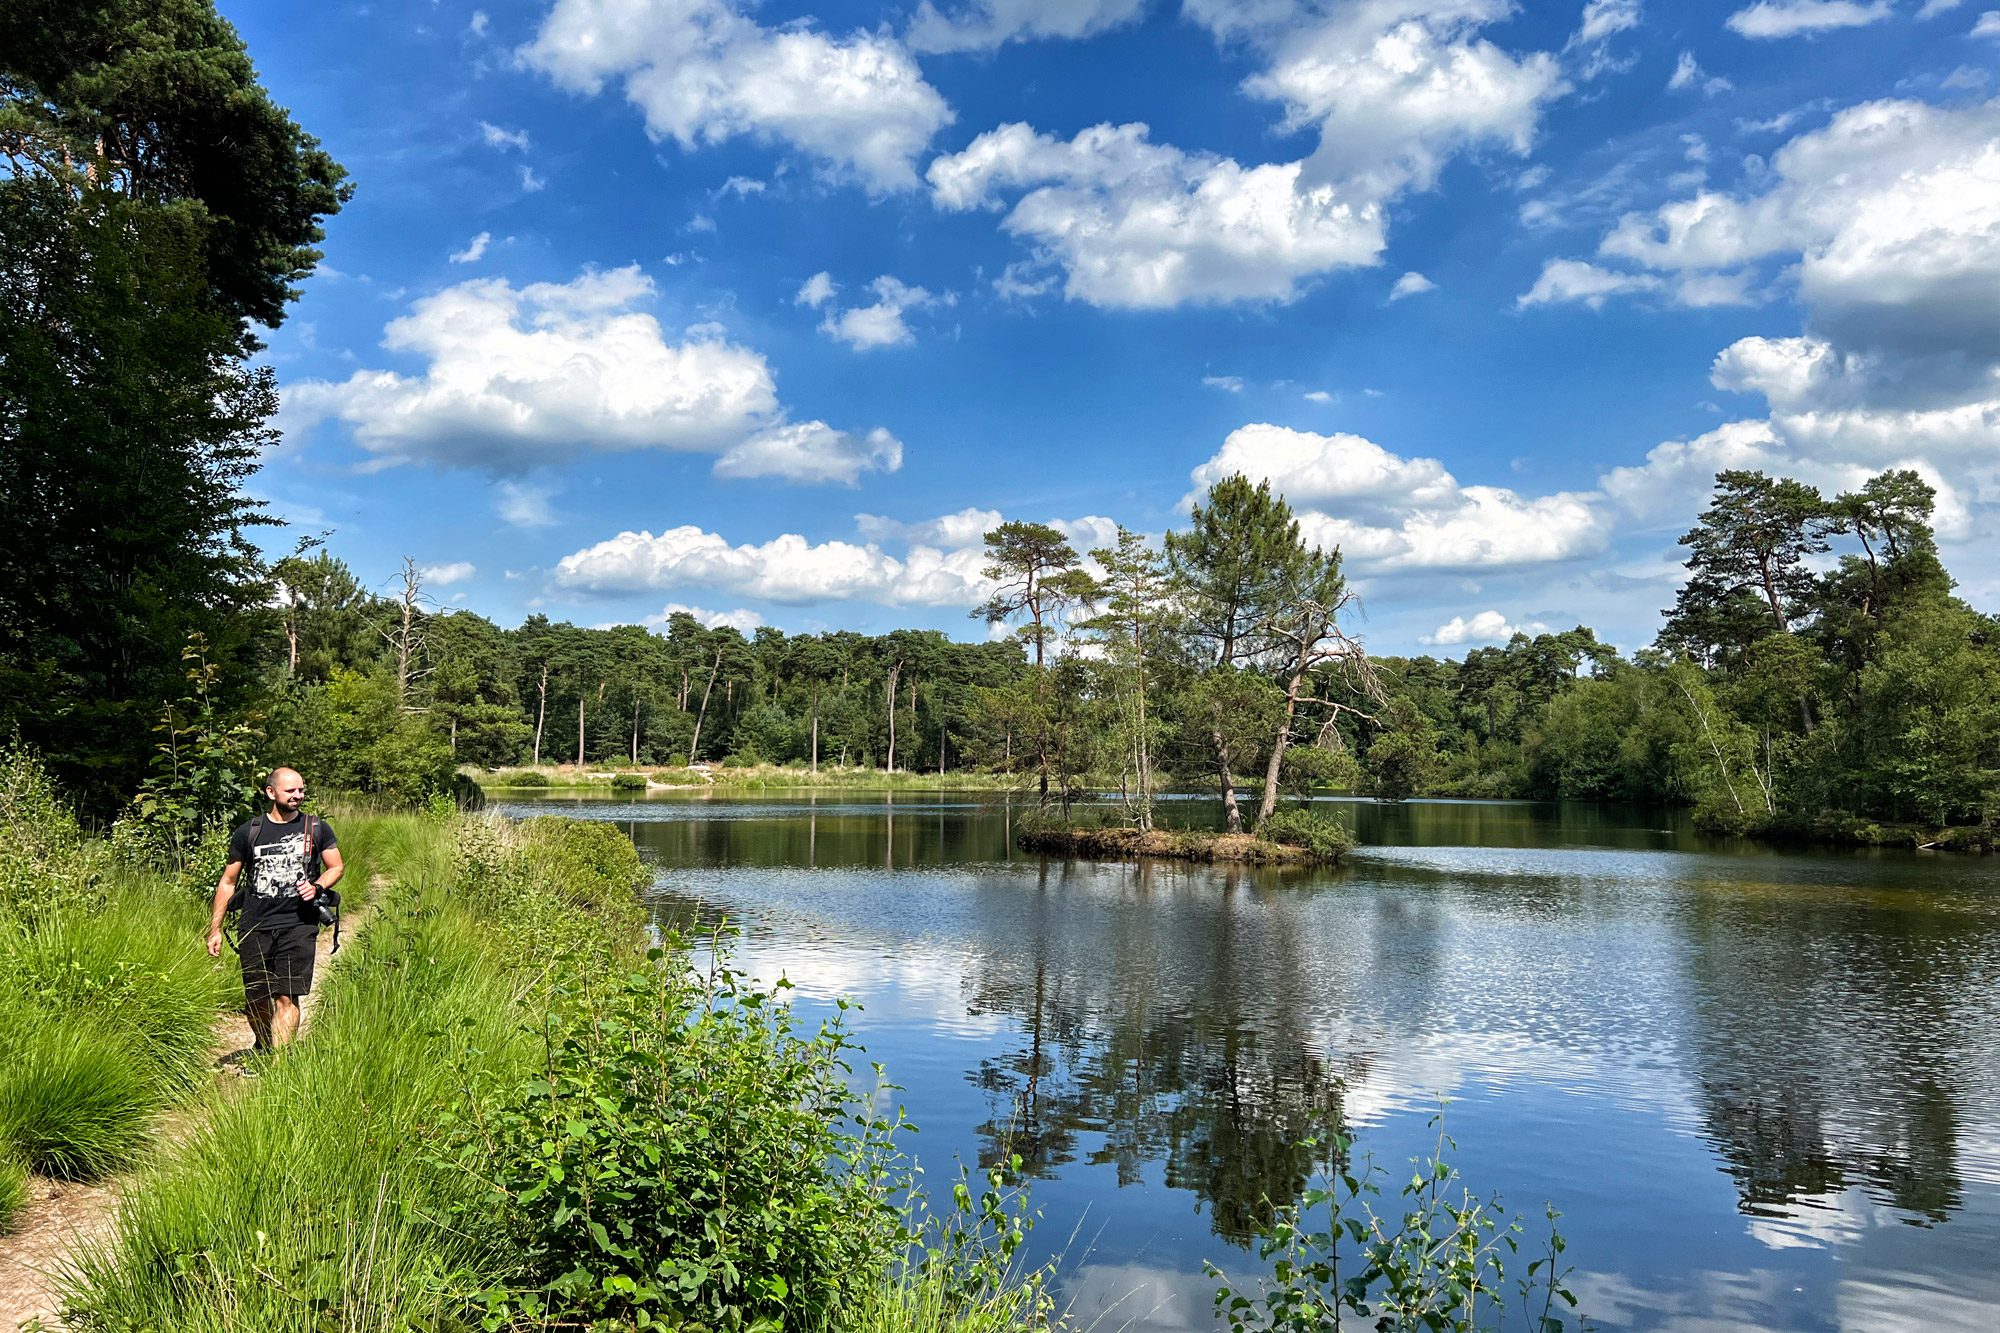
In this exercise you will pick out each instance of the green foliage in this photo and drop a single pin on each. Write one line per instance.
(628, 782)
(527, 777)
(1325, 837)
(1403, 760)
(13, 1191)
(351, 734)
(205, 770)
(107, 1000)
(680, 1155)
(159, 99)
(1449, 1263)
(45, 864)
(73, 1101)
(1931, 712)
(128, 425)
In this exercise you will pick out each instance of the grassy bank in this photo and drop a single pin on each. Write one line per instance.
(760, 776)
(1289, 837)
(108, 999)
(510, 1113)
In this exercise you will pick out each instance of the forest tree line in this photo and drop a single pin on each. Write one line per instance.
(158, 211)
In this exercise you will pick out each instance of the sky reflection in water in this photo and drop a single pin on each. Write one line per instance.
(1760, 1085)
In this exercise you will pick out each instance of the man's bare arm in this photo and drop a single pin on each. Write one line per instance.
(329, 875)
(225, 890)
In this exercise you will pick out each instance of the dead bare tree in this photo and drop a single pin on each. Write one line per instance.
(405, 634)
(694, 746)
(1302, 635)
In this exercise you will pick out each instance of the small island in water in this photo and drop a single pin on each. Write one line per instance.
(1287, 837)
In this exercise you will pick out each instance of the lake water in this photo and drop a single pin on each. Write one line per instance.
(1763, 1087)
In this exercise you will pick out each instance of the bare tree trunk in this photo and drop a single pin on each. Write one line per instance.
(454, 735)
(1145, 753)
(894, 672)
(407, 639)
(1271, 770)
(580, 697)
(541, 713)
(694, 746)
(635, 725)
(815, 758)
(1229, 808)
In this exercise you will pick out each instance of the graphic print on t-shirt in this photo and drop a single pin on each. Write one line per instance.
(278, 866)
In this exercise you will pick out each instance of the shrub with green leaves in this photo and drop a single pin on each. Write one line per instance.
(682, 1155)
(1326, 838)
(1450, 1262)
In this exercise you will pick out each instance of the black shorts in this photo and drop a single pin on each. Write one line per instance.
(278, 960)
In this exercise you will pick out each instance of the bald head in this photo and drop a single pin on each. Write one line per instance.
(287, 791)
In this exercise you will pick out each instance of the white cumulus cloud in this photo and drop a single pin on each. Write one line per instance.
(984, 24)
(1411, 284)
(877, 325)
(809, 452)
(517, 376)
(1689, 75)
(497, 137)
(1395, 88)
(1485, 627)
(702, 72)
(1142, 225)
(816, 291)
(443, 576)
(474, 250)
(786, 569)
(940, 566)
(1790, 18)
(1388, 513)
(743, 619)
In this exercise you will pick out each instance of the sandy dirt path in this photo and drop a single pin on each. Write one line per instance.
(63, 1215)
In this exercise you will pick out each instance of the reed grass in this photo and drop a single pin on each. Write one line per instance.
(13, 1192)
(314, 1201)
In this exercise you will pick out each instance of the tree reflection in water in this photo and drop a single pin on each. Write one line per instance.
(1229, 1108)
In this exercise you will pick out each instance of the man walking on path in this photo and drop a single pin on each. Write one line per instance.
(292, 859)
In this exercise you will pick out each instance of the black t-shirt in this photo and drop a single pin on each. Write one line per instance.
(273, 859)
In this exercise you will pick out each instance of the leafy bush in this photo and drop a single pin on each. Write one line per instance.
(1443, 1266)
(628, 782)
(527, 777)
(682, 1155)
(351, 734)
(205, 769)
(45, 863)
(1326, 838)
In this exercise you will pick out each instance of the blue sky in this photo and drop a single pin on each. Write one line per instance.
(769, 311)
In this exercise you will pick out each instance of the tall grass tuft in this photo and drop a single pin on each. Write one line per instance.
(13, 1192)
(74, 1102)
(314, 1201)
(107, 997)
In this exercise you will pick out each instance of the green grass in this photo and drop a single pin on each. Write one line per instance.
(313, 1202)
(13, 1192)
(333, 1193)
(107, 995)
(74, 1102)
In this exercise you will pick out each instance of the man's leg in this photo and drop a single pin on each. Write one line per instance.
(259, 1014)
(284, 1020)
